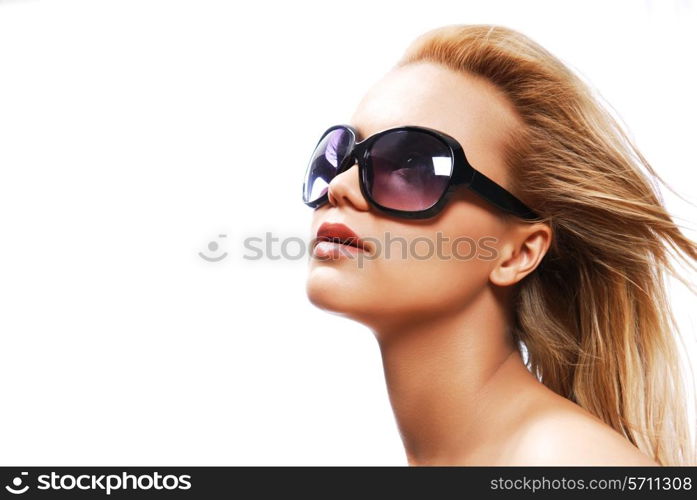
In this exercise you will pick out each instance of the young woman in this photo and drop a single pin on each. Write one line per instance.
(500, 238)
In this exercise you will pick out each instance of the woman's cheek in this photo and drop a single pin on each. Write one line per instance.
(428, 273)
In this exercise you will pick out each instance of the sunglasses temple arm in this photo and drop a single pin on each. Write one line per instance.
(498, 196)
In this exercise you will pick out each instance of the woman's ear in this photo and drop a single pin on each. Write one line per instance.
(522, 253)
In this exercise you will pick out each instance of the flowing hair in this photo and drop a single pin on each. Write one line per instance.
(594, 318)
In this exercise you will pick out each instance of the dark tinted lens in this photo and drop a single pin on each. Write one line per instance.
(409, 170)
(325, 161)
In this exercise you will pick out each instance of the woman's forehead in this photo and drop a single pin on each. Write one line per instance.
(431, 95)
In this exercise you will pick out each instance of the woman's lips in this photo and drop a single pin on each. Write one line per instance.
(335, 239)
(333, 250)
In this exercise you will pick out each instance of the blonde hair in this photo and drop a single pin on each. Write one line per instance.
(594, 316)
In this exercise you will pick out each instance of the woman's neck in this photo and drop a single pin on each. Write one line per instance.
(448, 379)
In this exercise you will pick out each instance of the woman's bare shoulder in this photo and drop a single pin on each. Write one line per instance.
(560, 432)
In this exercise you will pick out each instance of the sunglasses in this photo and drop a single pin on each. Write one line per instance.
(407, 172)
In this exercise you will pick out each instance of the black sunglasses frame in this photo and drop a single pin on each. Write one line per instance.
(463, 174)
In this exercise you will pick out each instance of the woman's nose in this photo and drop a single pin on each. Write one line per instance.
(344, 189)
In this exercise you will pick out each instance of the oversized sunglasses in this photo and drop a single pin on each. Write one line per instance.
(407, 171)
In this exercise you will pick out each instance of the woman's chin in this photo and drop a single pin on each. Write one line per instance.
(327, 294)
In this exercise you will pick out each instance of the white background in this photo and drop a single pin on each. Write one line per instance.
(133, 132)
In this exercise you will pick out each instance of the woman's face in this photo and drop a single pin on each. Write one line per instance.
(440, 264)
